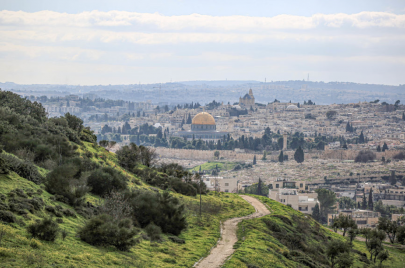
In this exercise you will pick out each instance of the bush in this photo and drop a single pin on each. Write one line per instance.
(65, 181)
(24, 169)
(163, 209)
(35, 244)
(177, 240)
(104, 180)
(4, 206)
(365, 156)
(399, 156)
(154, 232)
(46, 229)
(103, 231)
(7, 216)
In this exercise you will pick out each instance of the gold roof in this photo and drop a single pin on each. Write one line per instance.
(203, 119)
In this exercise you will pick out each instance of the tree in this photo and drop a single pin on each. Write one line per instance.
(327, 200)
(378, 148)
(365, 156)
(364, 202)
(361, 137)
(335, 248)
(403, 116)
(299, 155)
(331, 115)
(389, 227)
(374, 238)
(370, 200)
(393, 179)
(254, 160)
(385, 147)
(264, 156)
(382, 256)
(344, 222)
(216, 154)
(259, 187)
(281, 157)
(316, 213)
(74, 122)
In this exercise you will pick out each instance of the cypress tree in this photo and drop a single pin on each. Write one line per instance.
(364, 203)
(385, 147)
(361, 138)
(348, 127)
(370, 200)
(316, 213)
(264, 155)
(254, 160)
(299, 155)
(281, 157)
(259, 187)
(378, 148)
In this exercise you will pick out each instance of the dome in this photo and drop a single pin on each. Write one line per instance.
(203, 119)
(292, 107)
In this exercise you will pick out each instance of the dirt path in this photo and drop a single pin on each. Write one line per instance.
(224, 247)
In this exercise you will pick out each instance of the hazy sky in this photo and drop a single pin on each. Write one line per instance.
(123, 42)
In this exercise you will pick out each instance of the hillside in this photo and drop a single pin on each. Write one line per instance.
(289, 238)
(56, 181)
(18, 248)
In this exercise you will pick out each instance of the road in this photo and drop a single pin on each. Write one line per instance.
(224, 248)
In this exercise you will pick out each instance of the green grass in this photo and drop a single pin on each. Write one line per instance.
(212, 165)
(17, 248)
(258, 246)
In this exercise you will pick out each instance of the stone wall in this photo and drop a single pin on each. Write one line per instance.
(248, 157)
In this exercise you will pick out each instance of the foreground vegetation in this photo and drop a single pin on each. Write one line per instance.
(66, 201)
(289, 238)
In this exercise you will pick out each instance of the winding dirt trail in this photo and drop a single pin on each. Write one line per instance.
(224, 247)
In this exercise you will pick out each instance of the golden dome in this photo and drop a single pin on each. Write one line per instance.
(203, 119)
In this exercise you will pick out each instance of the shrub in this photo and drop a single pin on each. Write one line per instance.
(177, 240)
(7, 216)
(64, 181)
(37, 203)
(35, 244)
(46, 229)
(64, 234)
(4, 167)
(103, 231)
(24, 169)
(163, 209)
(154, 232)
(102, 181)
(4, 206)
(399, 156)
(365, 156)
(59, 220)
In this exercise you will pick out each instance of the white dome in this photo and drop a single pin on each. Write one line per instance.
(292, 107)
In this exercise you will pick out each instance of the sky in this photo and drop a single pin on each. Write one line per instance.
(129, 42)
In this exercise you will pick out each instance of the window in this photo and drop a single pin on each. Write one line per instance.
(226, 184)
(226, 191)
(301, 185)
(277, 185)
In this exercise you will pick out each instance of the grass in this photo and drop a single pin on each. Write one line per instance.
(257, 246)
(209, 166)
(19, 249)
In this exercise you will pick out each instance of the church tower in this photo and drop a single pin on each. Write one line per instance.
(251, 93)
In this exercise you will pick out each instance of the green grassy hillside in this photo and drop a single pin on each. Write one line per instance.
(289, 238)
(18, 248)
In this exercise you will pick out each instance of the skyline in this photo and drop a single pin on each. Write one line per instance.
(69, 45)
